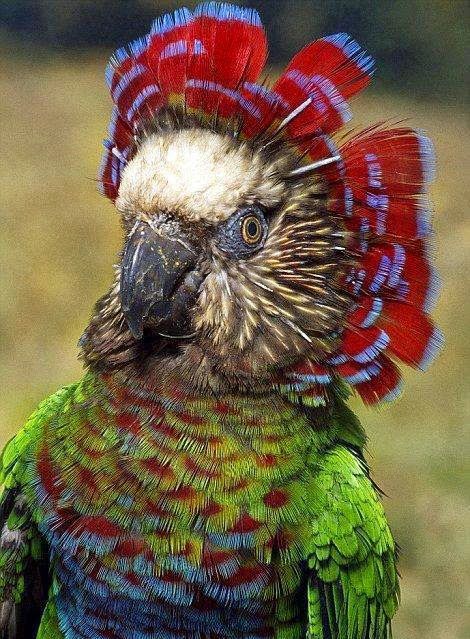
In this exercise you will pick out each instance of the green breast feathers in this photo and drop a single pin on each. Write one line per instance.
(253, 504)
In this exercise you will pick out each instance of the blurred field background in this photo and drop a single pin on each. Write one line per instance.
(59, 239)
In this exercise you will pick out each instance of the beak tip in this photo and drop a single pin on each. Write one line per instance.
(135, 326)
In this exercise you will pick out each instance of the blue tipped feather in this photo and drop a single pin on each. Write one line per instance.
(353, 50)
(428, 157)
(170, 21)
(373, 314)
(435, 343)
(224, 11)
(383, 272)
(371, 351)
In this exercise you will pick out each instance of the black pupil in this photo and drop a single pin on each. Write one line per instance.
(252, 228)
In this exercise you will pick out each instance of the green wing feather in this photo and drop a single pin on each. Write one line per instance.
(24, 564)
(49, 628)
(353, 583)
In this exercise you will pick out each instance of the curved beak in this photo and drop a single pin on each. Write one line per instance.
(154, 265)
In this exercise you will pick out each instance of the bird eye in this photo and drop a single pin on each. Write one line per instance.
(251, 230)
(244, 233)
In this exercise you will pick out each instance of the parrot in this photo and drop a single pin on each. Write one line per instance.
(207, 478)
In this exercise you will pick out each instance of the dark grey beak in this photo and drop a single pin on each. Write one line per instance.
(158, 281)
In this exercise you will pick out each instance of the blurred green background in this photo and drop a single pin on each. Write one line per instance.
(59, 239)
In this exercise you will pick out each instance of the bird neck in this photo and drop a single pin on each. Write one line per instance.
(243, 421)
(164, 386)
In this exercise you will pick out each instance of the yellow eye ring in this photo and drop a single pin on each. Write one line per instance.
(251, 230)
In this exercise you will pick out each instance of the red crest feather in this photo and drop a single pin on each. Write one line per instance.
(209, 60)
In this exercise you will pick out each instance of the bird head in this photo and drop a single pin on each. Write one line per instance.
(255, 248)
(226, 251)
